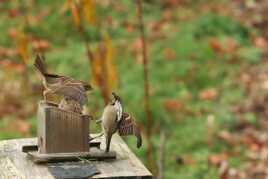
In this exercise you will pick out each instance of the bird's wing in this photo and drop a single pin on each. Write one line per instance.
(127, 126)
(52, 79)
(86, 86)
(73, 90)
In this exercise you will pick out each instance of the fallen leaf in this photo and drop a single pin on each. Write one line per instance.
(7, 64)
(216, 159)
(40, 45)
(7, 52)
(216, 46)
(253, 143)
(224, 170)
(136, 49)
(208, 94)
(231, 45)
(169, 54)
(171, 3)
(12, 32)
(260, 42)
(21, 126)
(136, 46)
(128, 26)
(172, 105)
(227, 137)
(13, 13)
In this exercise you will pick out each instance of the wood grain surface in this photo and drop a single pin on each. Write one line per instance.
(15, 164)
(61, 131)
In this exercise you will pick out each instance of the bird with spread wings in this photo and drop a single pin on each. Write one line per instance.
(61, 85)
(114, 119)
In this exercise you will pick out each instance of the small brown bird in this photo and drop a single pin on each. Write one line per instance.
(113, 119)
(69, 104)
(62, 85)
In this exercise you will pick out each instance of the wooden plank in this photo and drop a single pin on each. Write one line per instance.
(127, 165)
(11, 150)
(9, 168)
(95, 154)
(29, 148)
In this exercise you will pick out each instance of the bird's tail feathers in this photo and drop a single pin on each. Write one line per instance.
(39, 64)
(137, 133)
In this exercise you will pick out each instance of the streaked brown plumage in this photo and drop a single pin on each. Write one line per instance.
(62, 85)
(71, 105)
(112, 123)
(127, 126)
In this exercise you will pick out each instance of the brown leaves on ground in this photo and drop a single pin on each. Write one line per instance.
(260, 42)
(40, 45)
(172, 3)
(208, 94)
(255, 82)
(173, 105)
(252, 135)
(130, 27)
(136, 49)
(16, 58)
(19, 126)
(7, 52)
(13, 98)
(225, 171)
(228, 46)
(252, 141)
(169, 54)
(227, 137)
(216, 159)
(9, 65)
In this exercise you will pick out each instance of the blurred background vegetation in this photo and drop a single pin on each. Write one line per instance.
(207, 76)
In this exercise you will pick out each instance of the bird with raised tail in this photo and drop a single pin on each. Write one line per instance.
(113, 119)
(68, 87)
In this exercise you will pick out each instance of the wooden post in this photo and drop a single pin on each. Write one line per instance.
(61, 131)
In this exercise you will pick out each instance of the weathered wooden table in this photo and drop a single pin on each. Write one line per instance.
(15, 164)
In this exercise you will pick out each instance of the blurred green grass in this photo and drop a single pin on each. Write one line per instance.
(196, 66)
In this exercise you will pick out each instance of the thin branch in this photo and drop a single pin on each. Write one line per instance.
(148, 131)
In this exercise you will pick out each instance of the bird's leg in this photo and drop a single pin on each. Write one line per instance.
(108, 142)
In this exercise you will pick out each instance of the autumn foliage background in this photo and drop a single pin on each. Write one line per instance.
(207, 68)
